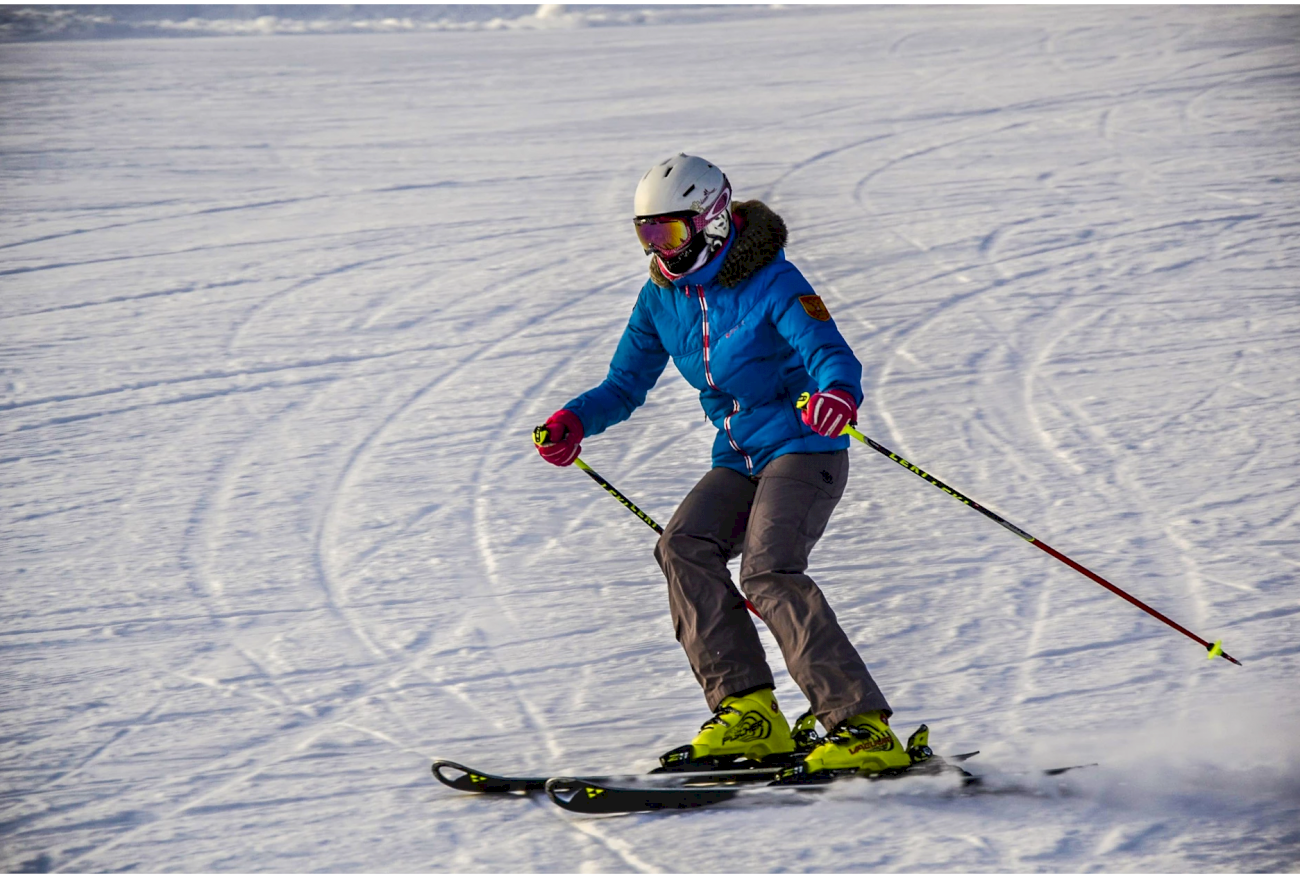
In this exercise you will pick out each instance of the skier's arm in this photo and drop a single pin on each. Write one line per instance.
(802, 320)
(637, 364)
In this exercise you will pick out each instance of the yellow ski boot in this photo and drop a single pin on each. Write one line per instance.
(864, 743)
(747, 727)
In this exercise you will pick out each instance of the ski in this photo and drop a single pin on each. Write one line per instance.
(596, 796)
(702, 784)
(472, 780)
(677, 771)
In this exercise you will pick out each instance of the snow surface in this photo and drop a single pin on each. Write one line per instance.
(279, 313)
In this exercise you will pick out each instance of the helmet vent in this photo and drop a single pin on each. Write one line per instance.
(669, 171)
(689, 191)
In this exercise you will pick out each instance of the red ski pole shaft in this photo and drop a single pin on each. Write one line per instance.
(1215, 649)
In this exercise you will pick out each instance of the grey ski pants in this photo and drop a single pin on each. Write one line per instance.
(772, 521)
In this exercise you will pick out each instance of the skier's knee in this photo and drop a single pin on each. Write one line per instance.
(672, 545)
(677, 546)
(773, 581)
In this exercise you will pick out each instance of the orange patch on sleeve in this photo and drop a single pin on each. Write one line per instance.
(815, 307)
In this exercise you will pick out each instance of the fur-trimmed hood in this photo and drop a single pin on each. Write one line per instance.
(759, 236)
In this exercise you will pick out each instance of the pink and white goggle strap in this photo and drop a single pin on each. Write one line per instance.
(719, 206)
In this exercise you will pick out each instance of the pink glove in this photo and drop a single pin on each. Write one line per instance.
(828, 412)
(563, 444)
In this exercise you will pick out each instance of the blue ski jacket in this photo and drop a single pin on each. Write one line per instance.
(748, 332)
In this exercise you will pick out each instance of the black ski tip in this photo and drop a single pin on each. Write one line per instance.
(470, 780)
(459, 780)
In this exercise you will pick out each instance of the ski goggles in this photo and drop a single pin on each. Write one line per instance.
(666, 235)
(669, 234)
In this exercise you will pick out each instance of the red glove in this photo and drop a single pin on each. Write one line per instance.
(563, 442)
(828, 412)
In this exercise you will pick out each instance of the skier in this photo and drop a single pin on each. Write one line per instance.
(746, 329)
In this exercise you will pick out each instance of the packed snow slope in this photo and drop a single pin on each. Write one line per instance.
(278, 314)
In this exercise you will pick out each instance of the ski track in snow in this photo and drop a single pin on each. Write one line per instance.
(278, 318)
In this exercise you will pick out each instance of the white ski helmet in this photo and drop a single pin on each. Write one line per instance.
(683, 212)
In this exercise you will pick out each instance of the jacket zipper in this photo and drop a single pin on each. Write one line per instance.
(708, 376)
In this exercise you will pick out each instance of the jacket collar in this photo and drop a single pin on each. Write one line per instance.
(705, 273)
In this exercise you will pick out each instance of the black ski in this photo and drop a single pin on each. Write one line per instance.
(472, 780)
(595, 796)
(676, 771)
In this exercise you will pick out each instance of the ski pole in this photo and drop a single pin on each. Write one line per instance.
(541, 435)
(1214, 649)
